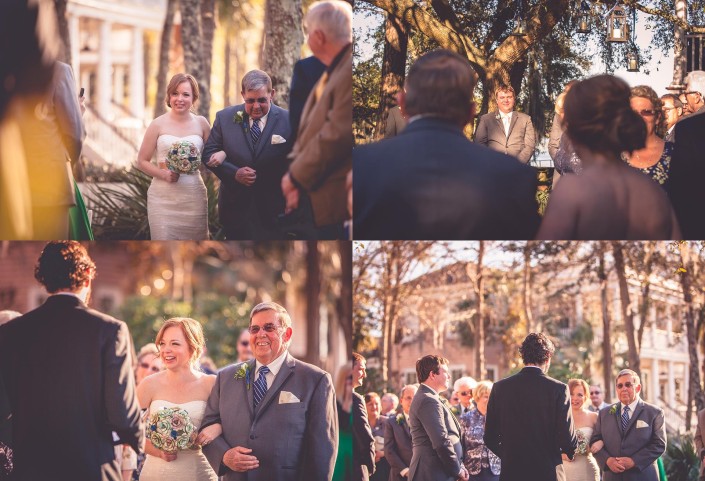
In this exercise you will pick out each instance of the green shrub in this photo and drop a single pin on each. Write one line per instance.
(681, 461)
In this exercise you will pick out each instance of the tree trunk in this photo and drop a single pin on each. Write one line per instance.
(63, 27)
(526, 294)
(313, 294)
(695, 391)
(226, 57)
(396, 41)
(627, 313)
(606, 325)
(208, 30)
(480, 326)
(164, 47)
(649, 248)
(192, 40)
(345, 304)
(281, 47)
(679, 48)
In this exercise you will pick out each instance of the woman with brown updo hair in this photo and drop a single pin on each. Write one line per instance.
(610, 200)
(177, 203)
(655, 158)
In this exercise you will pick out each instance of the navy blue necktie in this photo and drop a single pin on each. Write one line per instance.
(256, 132)
(625, 418)
(260, 385)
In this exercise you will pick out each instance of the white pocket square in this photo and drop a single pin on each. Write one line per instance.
(278, 139)
(641, 424)
(285, 397)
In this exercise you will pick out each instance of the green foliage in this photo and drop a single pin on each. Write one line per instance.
(681, 461)
(222, 320)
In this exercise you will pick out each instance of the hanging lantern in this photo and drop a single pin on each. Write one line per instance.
(617, 28)
(519, 26)
(584, 19)
(632, 61)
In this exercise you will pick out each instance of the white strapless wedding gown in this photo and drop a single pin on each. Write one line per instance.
(178, 211)
(582, 468)
(190, 465)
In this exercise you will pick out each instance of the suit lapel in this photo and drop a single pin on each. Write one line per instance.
(267, 132)
(246, 133)
(500, 124)
(250, 389)
(512, 123)
(632, 419)
(286, 370)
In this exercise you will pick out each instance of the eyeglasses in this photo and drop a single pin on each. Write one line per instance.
(628, 385)
(646, 113)
(269, 327)
(261, 100)
(144, 365)
(594, 392)
(245, 343)
(465, 393)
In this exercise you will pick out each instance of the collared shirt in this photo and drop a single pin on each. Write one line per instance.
(81, 298)
(434, 391)
(262, 120)
(632, 406)
(273, 366)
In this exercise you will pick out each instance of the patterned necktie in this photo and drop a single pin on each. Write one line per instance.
(260, 385)
(256, 132)
(625, 418)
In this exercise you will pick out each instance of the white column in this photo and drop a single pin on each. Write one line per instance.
(671, 385)
(75, 36)
(137, 74)
(119, 84)
(105, 66)
(655, 391)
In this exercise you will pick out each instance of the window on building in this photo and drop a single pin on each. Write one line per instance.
(491, 373)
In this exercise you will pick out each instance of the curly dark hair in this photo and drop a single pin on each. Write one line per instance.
(536, 349)
(64, 265)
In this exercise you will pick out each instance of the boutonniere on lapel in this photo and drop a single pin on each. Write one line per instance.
(401, 419)
(613, 409)
(498, 116)
(244, 373)
(240, 117)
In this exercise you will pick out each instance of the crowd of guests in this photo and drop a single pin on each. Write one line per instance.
(621, 168)
(526, 426)
(283, 174)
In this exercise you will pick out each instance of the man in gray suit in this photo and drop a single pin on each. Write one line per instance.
(278, 414)
(633, 433)
(247, 150)
(435, 433)
(397, 436)
(507, 131)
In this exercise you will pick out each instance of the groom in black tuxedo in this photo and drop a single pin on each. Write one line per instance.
(68, 371)
(529, 420)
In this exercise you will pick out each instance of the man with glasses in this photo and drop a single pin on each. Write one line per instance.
(247, 150)
(464, 387)
(244, 353)
(278, 414)
(633, 433)
(597, 399)
(397, 436)
(694, 91)
(672, 111)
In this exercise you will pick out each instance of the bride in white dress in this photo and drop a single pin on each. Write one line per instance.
(180, 341)
(584, 466)
(177, 204)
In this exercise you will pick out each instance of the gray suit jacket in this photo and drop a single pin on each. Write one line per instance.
(521, 140)
(435, 434)
(249, 212)
(397, 445)
(395, 122)
(644, 441)
(293, 441)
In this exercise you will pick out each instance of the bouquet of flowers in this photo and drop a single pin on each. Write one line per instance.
(183, 157)
(583, 443)
(171, 430)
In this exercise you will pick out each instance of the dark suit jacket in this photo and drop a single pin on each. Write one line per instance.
(644, 441)
(529, 424)
(69, 375)
(293, 441)
(363, 441)
(250, 212)
(435, 434)
(307, 71)
(521, 140)
(397, 446)
(431, 182)
(685, 178)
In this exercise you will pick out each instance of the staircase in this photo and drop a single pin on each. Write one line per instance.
(107, 144)
(675, 417)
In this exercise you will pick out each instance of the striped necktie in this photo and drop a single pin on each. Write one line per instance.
(625, 418)
(256, 132)
(260, 385)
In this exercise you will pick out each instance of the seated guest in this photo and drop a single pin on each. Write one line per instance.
(654, 159)
(430, 181)
(481, 463)
(610, 200)
(397, 437)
